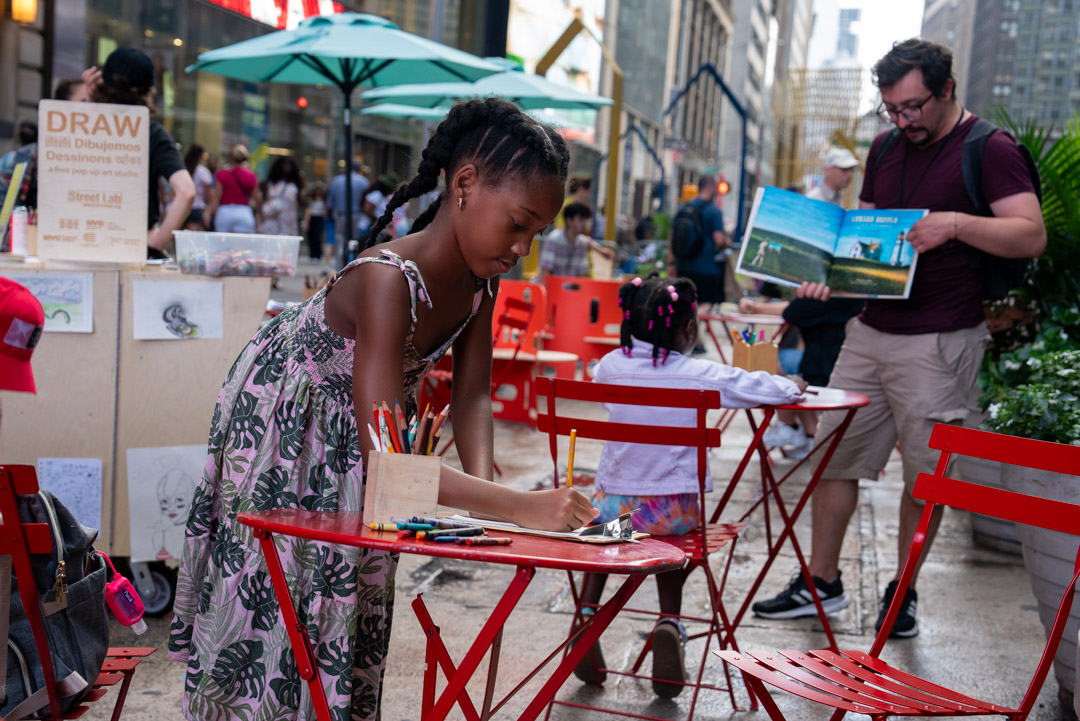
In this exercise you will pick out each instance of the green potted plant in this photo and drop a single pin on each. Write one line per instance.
(1031, 377)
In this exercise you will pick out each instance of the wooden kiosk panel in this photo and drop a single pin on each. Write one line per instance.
(72, 415)
(168, 388)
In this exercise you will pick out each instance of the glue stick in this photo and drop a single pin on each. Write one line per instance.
(124, 601)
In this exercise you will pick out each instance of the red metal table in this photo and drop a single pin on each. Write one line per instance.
(817, 399)
(527, 553)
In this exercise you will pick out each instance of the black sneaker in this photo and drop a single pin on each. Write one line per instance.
(592, 669)
(906, 625)
(795, 600)
(669, 670)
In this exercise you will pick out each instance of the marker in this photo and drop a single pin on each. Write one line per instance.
(383, 526)
(415, 527)
(746, 337)
(483, 541)
(735, 335)
(467, 531)
(440, 522)
(570, 464)
(761, 337)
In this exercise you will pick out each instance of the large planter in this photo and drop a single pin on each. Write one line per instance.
(1048, 557)
(987, 531)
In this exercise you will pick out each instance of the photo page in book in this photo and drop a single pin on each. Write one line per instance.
(792, 239)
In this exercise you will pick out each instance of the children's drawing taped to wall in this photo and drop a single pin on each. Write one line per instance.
(161, 484)
(177, 309)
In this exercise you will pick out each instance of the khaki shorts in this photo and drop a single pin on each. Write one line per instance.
(914, 382)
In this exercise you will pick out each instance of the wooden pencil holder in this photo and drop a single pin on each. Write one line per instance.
(400, 485)
(757, 357)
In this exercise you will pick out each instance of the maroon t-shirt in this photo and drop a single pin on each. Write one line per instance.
(946, 294)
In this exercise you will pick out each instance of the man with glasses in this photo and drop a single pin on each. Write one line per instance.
(917, 359)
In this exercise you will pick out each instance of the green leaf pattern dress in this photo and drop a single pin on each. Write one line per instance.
(284, 435)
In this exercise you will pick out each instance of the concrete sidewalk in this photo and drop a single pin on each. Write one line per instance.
(979, 627)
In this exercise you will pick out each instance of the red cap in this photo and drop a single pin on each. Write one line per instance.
(21, 322)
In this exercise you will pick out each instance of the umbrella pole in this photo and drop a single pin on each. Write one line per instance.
(350, 227)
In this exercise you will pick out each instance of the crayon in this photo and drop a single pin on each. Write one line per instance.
(482, 541)
(415, 527)
(467, 531)
(399, 519)
(383, 526)
(406, 534)
(446, 539)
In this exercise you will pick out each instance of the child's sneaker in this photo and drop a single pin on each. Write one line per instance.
(795, 600)
(781, 434)
(905, 625)
(669, 673)
(591, 667)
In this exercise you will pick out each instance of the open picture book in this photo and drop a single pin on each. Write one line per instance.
(792, 239)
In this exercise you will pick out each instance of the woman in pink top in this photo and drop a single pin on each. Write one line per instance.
(236, 186)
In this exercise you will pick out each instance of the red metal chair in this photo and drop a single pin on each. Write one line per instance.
(698, 545)
(583, 318)
(19, 540)
(861, 682)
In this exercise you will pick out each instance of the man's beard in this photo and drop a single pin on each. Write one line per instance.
(927, 135)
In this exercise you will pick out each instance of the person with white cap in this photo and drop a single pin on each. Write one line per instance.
(21, 322)
(840, 166)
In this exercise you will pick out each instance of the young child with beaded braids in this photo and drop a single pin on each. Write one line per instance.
(284, 433)
(659, 331)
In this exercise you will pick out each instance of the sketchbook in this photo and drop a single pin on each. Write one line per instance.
(617, 530)
(791, 239)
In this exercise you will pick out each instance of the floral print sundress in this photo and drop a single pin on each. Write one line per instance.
(284, 435)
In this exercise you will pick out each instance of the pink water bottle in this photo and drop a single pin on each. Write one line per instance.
(124, 601)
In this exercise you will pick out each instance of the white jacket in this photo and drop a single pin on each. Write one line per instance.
(631, 469)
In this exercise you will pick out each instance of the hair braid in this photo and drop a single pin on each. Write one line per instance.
(657, 314)
(490, 132)
(627, 292)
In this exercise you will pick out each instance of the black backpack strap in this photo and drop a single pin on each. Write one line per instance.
(971, 162)
(883, 147)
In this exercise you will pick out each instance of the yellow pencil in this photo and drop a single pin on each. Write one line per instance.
(570, 466)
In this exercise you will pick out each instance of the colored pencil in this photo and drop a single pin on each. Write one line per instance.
(570, 465)
(391, 428)
(374, 438)
(422, 434)
(399, 419)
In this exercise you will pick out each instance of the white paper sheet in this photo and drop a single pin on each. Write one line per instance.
(177, 310)
(161, 484)
(66, 298)
(77, 483)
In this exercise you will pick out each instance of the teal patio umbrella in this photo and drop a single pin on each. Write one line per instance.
(393, 110)
(530, 92)
(347, 50)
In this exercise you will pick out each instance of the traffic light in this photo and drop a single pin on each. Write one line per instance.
(723, 187)
(301, 102)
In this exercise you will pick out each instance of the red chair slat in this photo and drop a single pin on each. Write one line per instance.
(130, 651)
(24, 479)
(631, 395)
(1012, 450)
(1009, 505)
(755, 668)
(778, 662)
(108, 679)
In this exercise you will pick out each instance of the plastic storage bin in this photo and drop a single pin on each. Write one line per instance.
(216, 254)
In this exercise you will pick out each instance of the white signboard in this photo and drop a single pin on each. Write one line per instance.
(93, 179)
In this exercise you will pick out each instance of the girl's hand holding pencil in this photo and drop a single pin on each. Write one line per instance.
(563, 509)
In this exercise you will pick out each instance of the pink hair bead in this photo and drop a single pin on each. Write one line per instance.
(636, 282)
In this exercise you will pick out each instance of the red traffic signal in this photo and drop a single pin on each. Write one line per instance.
(301, 102)
(723, 187)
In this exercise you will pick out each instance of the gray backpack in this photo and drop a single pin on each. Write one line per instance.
(70, 594)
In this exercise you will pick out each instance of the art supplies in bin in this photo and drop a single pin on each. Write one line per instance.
(403, 471)
(217, 254)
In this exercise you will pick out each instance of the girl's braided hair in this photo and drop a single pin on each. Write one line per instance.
(654, 309)
(493, 134)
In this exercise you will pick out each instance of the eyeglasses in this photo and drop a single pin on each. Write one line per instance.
(911, 114)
